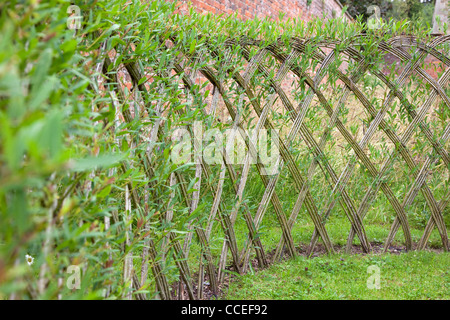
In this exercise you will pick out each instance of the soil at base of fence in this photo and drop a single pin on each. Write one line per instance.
(319, 250)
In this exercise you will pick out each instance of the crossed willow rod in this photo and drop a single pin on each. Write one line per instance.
(439, 149)
(291, 109)
(230, 169)
(286, 103)
(209, 73)
(371, 131)
(297, 116)
(247, 216)
(358, 150)
(394, 207)
(400, 146)
(134, 72)
(160, 278)
(436, 214)
(408, 159)
(157, 269)
(94, 86)
(404, 152)
(308, 137)
(396, 92)
(285, 154)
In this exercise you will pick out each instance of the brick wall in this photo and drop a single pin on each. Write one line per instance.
(248, 9)
(431, 65)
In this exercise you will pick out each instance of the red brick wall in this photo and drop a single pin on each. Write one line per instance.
(248, 9)
(431, 65)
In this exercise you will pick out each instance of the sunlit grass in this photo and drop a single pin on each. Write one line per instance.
(413, 275)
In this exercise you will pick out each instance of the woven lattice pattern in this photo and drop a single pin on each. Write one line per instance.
(277, 65)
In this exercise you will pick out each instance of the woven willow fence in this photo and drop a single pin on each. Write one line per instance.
(94, 119)
(232, 89)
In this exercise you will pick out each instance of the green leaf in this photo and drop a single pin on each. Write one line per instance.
(105, 191)
(50, 137)
(192, 47)
(102, 161)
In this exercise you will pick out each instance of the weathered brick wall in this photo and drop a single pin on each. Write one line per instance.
(431, 65)
(248, 9)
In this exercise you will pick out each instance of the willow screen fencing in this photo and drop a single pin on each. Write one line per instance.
(208, 146)
(244, 105)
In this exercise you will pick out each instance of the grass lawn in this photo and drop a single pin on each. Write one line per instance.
(412, 275)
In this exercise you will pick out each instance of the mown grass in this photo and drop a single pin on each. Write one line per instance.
(412, 275)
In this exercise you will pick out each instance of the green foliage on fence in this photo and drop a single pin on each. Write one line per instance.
(87, 122)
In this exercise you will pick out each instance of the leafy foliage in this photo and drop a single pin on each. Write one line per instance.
(86, 125)
(411, 10)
